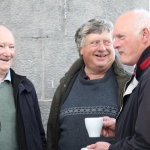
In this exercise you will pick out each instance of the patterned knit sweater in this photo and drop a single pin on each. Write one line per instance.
(88, 98)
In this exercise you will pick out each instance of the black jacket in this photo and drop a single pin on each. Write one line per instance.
(133, 123)
(30, 131)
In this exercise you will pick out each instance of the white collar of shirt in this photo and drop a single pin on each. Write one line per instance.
(8, 77)
(131, 86)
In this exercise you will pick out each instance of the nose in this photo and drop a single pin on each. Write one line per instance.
(101, 46)
(116, 43)
(7, 51)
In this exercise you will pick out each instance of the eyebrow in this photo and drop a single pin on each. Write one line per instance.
(11, 44)
(119, 35)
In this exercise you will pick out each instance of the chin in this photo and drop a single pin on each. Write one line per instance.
(123, 61)
(5, 69)
(126, 63)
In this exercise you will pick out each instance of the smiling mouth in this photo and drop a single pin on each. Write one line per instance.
(101, 55)
(4, 60)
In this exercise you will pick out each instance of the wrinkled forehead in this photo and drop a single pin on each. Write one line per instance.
(118, 28)
(103, 35)
(123, 26)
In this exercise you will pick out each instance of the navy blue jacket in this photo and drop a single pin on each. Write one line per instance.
(133, 123)
(30, 131)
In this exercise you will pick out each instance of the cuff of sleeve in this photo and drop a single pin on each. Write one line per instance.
(108, 147)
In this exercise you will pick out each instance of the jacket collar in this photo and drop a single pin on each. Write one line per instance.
(143, 63)
(16, 80)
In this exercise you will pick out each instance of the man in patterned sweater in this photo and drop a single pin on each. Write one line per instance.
(91, 88)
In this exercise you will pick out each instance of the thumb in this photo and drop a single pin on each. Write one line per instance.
(92, 146)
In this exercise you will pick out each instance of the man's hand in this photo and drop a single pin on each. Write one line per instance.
(108, 129)
(98, 146)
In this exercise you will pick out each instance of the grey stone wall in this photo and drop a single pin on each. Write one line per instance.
(44, 32)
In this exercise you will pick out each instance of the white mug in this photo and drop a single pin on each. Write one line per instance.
(94, 126)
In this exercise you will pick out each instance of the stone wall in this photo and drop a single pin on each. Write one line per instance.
(44, 32)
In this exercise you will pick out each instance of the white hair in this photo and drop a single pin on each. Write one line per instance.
(141, 20)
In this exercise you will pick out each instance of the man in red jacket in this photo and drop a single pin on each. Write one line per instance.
(132, 127)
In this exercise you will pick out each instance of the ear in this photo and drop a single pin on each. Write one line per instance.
(145, 35)
(81, 51)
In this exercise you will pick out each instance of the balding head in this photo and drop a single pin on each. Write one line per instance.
(4, 28)
(132, 35)
(4, 32)
(136, 20)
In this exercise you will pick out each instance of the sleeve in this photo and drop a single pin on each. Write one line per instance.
(51, 131)
(39, 120)
(52, 125)
(141, 139)
(59, 96)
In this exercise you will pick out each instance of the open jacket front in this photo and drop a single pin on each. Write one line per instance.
(30, 131)
(133, 123)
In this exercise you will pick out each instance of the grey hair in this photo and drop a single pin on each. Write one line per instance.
(92, 26)
(141, 20)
